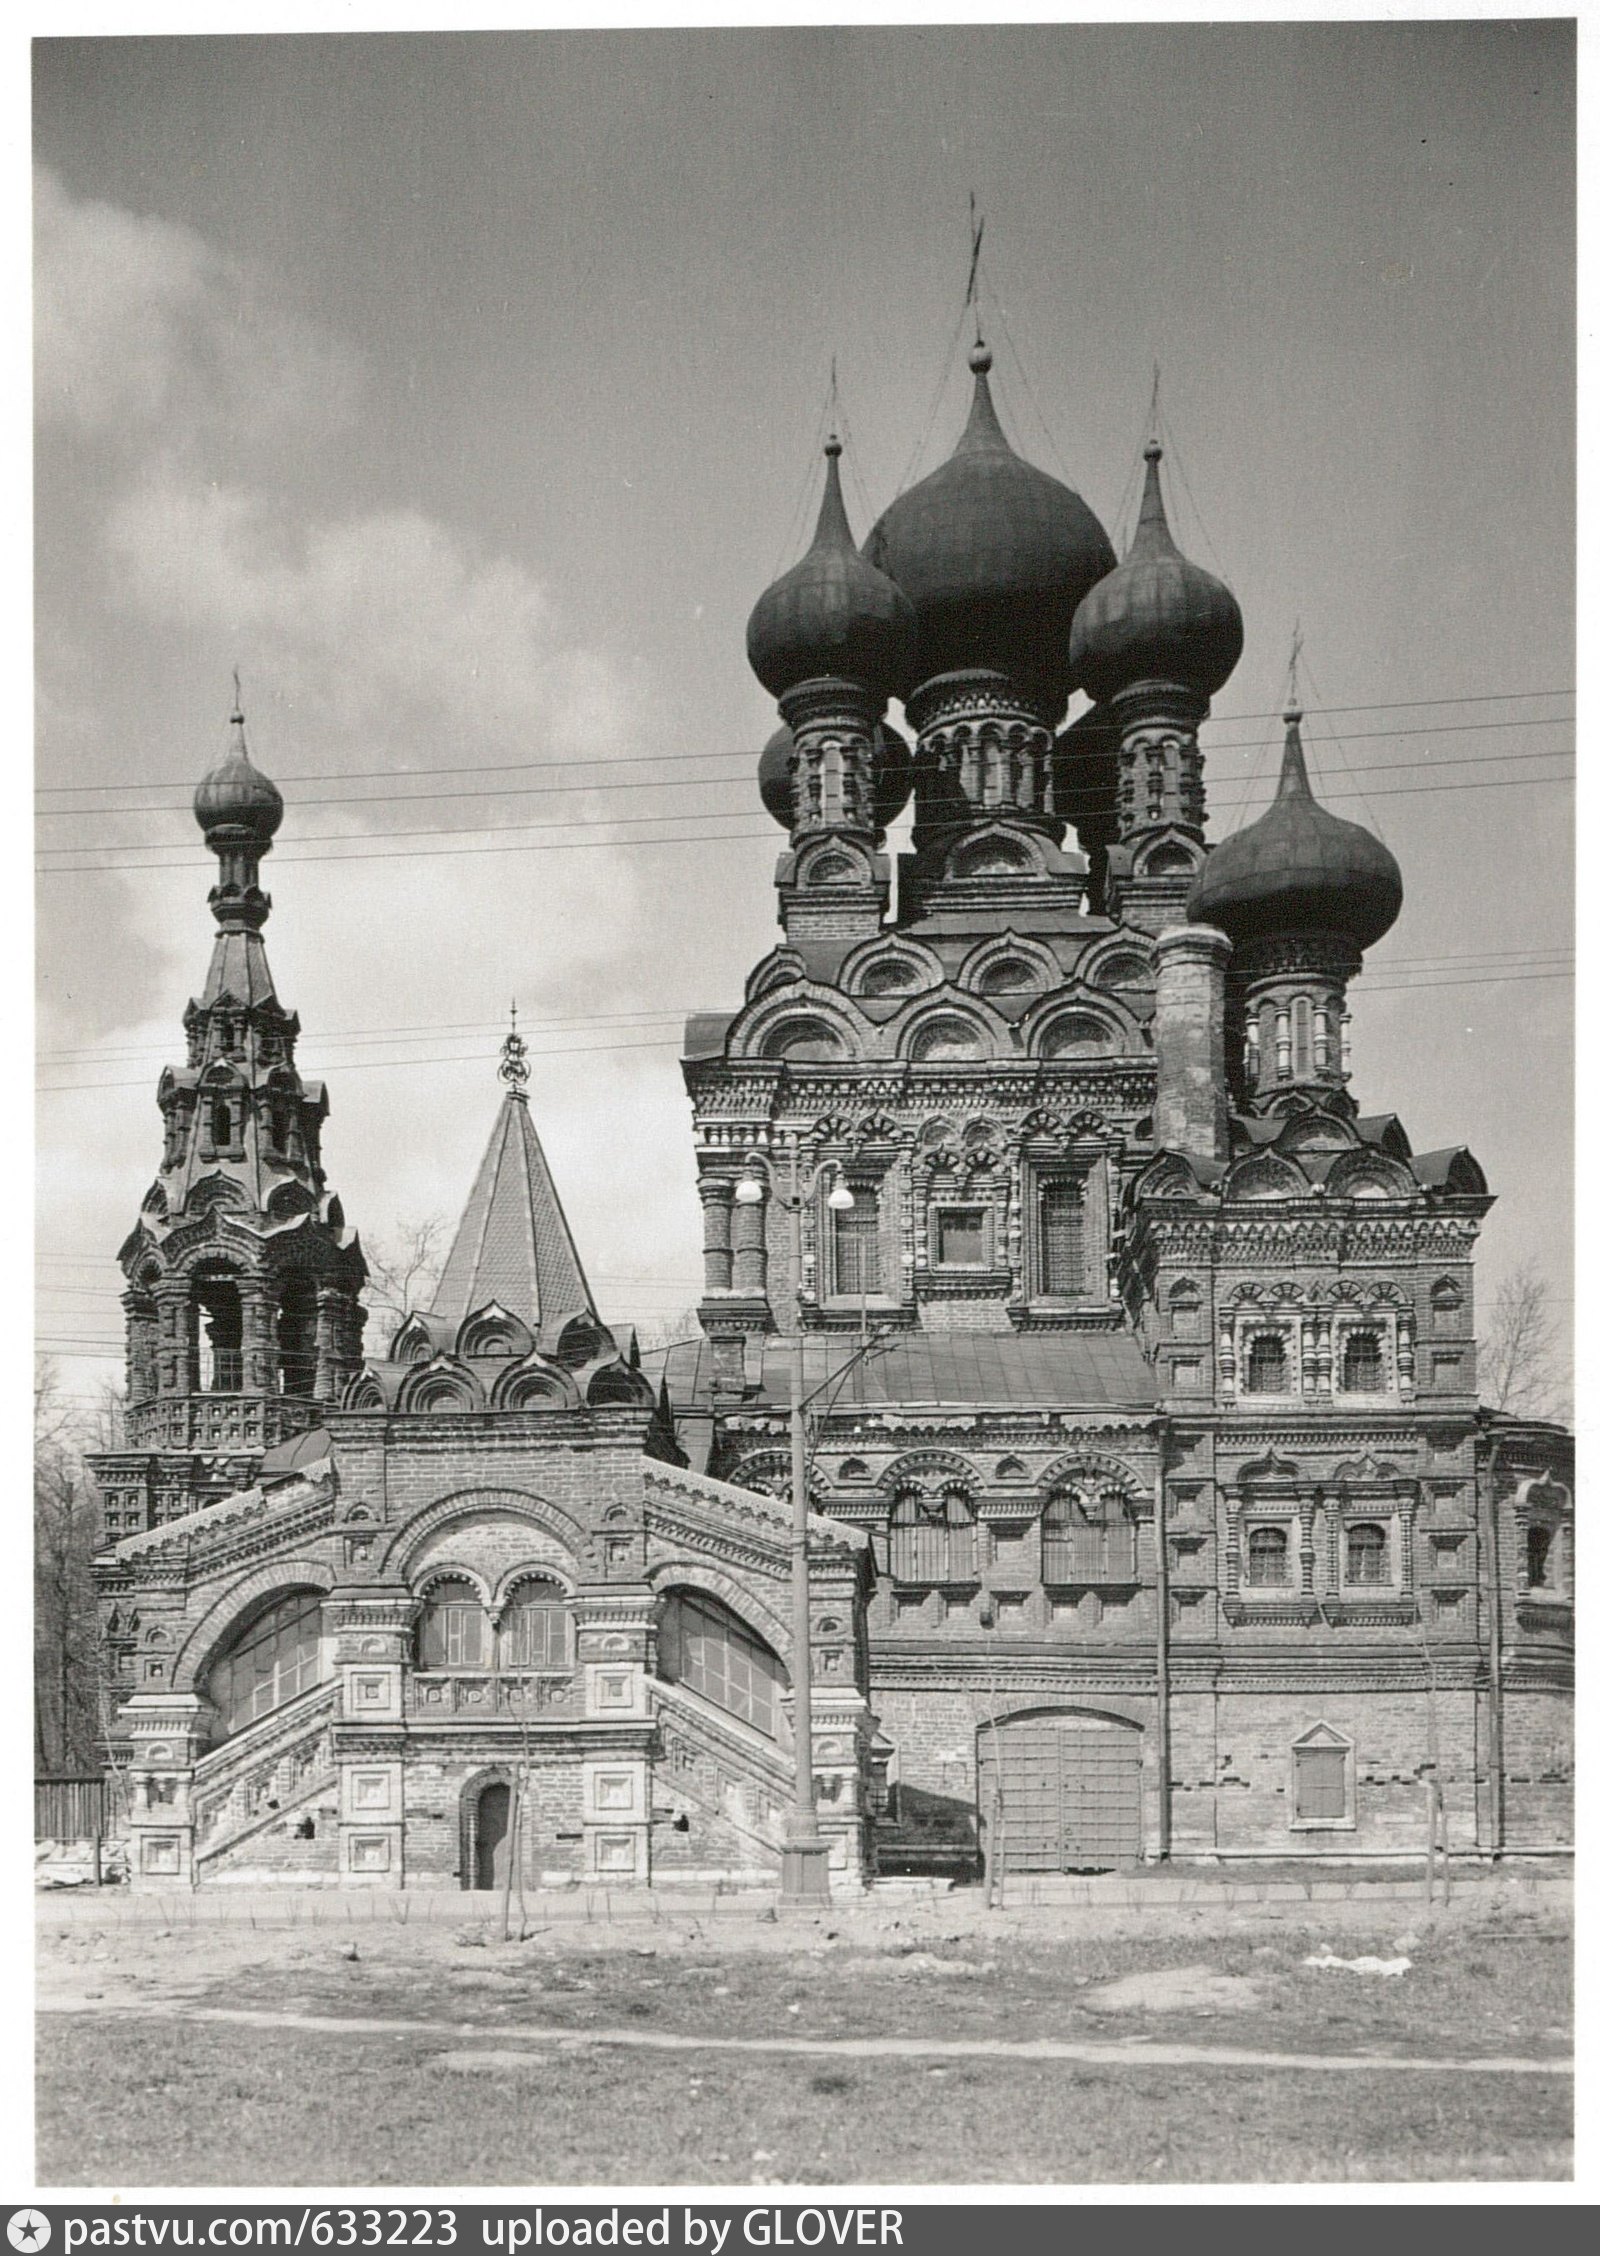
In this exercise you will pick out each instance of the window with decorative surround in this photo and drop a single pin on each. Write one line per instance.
(858, 1244)
(1089, 1535)
(932, 1538)
(1267, 1558)
(1366, 1554)
(1267, 1367)
(960, 1236)
(1361, 1364)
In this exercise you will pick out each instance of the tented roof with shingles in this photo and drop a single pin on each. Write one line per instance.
(967, 1371)
(513, 1244)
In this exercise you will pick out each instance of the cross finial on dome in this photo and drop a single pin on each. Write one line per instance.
(514, 1060)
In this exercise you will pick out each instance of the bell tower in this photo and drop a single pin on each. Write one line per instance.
(243, 1281)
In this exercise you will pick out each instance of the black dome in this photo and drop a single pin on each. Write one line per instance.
(995, 556)
(1299, 869)
(833, 614)
(1157, 617)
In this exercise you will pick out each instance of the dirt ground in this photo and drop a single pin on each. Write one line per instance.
(885, 2043)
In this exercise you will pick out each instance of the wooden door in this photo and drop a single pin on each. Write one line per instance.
(1059, 1793)
(492, 1836)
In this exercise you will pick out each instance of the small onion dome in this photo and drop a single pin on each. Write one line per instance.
(1157, 617)
(237, 796)
(833, 614)
(891, 774)
(1299, 869)
(996, 557)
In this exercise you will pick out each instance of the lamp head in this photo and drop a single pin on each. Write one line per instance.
(749, 1191)
(841, 1198)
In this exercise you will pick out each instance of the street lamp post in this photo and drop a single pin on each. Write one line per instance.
(805, 1854)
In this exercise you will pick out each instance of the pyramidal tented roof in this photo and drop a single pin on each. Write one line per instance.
(513, 1244)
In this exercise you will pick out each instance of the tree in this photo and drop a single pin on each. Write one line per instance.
(403, 1272)
(67, 1649)
(1521, 1367)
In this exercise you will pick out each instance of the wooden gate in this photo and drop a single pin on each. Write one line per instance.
(1059, 1792)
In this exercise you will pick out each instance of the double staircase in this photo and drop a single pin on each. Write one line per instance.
(734, 1785)
(266, 1801)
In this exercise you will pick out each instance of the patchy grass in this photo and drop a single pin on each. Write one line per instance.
(1474, 1991)
(127, 2101)
(130, 2097)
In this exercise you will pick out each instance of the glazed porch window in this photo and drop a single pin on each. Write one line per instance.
(1366, 1553)
(857, 1265)
(1362, 1364)
(276, 1656)
(454, 1630)
(1267, 1557)
(932, 1538)
(535, 1628)
(707, 1648)
(1266, 1369)
(1062, 1269)
(1089, 1537)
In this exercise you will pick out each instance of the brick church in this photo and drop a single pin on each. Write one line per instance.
(1152, 1508)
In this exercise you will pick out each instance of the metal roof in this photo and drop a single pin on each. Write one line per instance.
(968, 1371)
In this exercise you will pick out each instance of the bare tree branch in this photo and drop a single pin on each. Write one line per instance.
(403, 1271)
(1521, 1369)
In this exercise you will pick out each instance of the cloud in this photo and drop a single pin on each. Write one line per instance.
(195, 416)
(387, 631)
(141, 326)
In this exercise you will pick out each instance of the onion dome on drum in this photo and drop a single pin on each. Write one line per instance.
(236, 798)
(891, 774)
(996, 557)
(1157, 617)
(1299, 869)
(833, 615)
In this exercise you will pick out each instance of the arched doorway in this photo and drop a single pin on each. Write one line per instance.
(493, 1836)
(1059, 1791)
(486, 1830)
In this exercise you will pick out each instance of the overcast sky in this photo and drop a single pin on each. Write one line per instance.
(465, 391)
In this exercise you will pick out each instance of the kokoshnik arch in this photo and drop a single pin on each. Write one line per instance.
(1161, 1516)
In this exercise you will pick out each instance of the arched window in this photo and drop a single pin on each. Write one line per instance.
(1302, 1038)
(535, 1628)
(1267, 1556)
(706, 1647)
(275, 1656)
(857, 1262)
(1540, 1540)
(1089, 1536)
(454, 1630)
(221, 1123)
(1266, 1369)
(1366, 1553)
(932, 1538)
(1362, 1365)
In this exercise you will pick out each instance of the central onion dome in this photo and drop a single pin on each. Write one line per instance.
(996, 556)
(236, 797)
(833, 615)
(891, 774)
(1157, 617)
(1299, 869)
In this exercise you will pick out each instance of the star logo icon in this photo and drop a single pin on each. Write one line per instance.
(28, 2229)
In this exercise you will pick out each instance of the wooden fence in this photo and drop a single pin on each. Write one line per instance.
(70, 1809)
